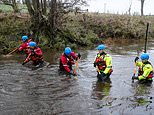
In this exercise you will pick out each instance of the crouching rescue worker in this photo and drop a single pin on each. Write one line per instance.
(103, 64)
(67, 59)
(145, 71)
(24, 46)
(35, 55)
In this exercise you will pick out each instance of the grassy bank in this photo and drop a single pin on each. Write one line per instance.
(88, 29)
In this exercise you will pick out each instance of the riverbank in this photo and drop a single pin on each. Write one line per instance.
(81, 30)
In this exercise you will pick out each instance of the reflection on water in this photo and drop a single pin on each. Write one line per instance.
(101, 90)
(141, 89)
(44, 91)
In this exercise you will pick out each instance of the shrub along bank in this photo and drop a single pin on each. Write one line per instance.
(81, 30)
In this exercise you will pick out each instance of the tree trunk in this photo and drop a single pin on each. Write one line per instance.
(129, 10)
(44, 7)
(142, 5)
(52, 19)
(51, 23)
(30, 9)
(10, 1)
(23, 1)
(15, 7)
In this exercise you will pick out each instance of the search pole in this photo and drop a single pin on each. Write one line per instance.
(145, 46)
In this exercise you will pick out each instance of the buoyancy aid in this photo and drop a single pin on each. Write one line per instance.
(35, 55)
(101, 63)
(70, 60)
(24, 47)
(66, 62)
(140, 70)
(38, 55)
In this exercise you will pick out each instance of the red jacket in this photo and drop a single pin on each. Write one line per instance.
(38, 51)
(35, 55)
(23, 46)
(64, 60)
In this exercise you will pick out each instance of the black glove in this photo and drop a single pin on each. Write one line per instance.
(23, 63)
(79, 55)
(95, 64)
(137, 58)
(134, 77)
(102, 75)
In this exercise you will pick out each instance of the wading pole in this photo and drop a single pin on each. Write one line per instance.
(12, 51)
(145, 46)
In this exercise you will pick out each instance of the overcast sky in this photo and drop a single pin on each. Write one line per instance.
(120, 6)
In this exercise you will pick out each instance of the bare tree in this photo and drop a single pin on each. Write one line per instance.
(47, 16)
(142, 7)
(130, 6)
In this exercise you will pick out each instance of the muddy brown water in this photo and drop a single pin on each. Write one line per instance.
(43, 91)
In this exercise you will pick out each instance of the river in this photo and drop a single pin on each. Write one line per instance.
(43, 91)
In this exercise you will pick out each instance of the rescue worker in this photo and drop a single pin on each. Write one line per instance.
(145, 71)
(24, 46)
(103, 64)
(67, 59)
(35, 55)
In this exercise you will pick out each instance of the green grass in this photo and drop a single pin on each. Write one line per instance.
(7, 8)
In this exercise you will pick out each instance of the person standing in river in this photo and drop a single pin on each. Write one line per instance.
(145, 71)
(35, 55)
(24, 46)
(103, 64)
(67, 59)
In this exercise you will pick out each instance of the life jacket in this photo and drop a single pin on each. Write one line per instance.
(100, 63)
(36, 57)
(69, 60)
(140, 71)
(24, 47)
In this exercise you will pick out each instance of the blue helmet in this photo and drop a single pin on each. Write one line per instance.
(144, 56)
(67, 51)
(32, 44)
(101, 47)
(24, 38)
